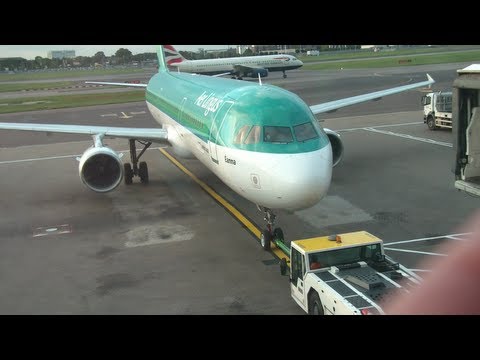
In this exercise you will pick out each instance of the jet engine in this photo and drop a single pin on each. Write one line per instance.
(337, 145)
(101, 169)
(255, 72)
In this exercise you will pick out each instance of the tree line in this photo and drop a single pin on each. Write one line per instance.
(121, 57)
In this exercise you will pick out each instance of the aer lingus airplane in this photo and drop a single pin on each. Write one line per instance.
(262, 141)
(239, 67)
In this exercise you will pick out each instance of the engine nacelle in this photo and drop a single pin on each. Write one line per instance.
(337, 146)
(255, 72)
(101, 169)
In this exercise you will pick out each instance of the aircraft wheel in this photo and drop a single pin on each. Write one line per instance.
(284, 76)
(278, 234)
(265, 239)
(143, 172)
(128, 173)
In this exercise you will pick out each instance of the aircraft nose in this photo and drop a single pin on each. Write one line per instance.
(304, 179)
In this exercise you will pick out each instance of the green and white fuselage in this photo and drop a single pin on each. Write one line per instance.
(262, 141)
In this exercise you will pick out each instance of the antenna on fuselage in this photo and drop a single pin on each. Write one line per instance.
(259, 80)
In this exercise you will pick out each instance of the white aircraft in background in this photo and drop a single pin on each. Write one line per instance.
(238, 67)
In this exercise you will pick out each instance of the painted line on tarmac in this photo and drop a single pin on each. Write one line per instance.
(425, 239)
(380, 126)
(414, 251)
(410, 137)
(57, 157)
(455, 238)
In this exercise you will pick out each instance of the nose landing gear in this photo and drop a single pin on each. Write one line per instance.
(270, 233)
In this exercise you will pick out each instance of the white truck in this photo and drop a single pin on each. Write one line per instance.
(437, 110)
(346, 274)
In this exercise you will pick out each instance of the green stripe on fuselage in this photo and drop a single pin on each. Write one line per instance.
(202, 97)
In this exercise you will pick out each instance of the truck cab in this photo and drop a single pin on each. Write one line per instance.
(466, 129)
(437, 110)
(347, 274)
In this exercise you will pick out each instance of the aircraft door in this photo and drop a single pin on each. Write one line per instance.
(215, 129)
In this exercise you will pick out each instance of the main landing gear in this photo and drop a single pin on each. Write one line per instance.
(284, 75)
(269, 234)
(138, 169)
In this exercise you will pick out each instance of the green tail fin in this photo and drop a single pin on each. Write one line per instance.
(162, 66)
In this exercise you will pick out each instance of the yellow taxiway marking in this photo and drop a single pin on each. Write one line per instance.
(233, 210)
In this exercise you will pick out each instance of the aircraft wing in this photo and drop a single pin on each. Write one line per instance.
(147, 134)
(377, 95)
(244, 68)
(116, 84)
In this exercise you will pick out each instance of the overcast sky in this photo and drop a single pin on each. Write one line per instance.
(30, 51)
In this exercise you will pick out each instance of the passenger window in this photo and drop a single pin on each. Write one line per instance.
(277, 134)
(254, 136)
(241, 134)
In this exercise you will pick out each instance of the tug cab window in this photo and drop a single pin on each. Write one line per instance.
(277, 134)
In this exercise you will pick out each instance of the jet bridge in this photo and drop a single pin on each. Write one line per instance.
(466, 129)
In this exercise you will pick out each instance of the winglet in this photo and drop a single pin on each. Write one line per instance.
(430, 79)
(162, 66)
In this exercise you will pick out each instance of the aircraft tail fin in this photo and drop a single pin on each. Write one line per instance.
(162, 65)
(172, 56)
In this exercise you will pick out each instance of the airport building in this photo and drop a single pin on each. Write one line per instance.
(60, 54)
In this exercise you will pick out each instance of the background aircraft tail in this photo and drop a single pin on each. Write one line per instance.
(162, 65)
(172, 56)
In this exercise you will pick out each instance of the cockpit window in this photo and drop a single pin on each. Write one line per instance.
(241, 134)
(277, 134)
(305, 132)
(254, 136)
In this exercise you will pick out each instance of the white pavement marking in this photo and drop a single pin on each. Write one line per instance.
(57, 230)
(410, 137)
(125, 116)
(454, 238)
(37, 159)
(381, 126)
(137, 112)
(59, 157)
(108, 115)
(414, 251)
(424, 239)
